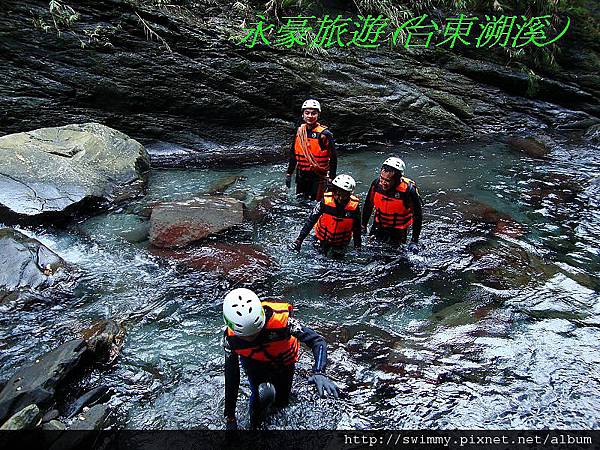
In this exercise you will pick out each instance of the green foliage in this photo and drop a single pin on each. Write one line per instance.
(62, 14)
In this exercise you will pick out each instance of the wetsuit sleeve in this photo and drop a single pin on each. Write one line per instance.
(417, 214)
(232, 379)
(310, 222)
(356, 235)
(368, 207)
(313, 340)
(329, 143)
(293, 162)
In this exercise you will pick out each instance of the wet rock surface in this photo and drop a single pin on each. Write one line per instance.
(104, 339)
(530, 146)
(36, 384)
(25, 263)
(27, 418)
(177, 224)
(54, 171)
(246, 263)
(196, 90)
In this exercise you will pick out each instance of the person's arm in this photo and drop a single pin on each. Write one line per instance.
(310, 222)
(232, 381)
(313, 340)
(319, 348)
(417, 214)
(356, 229)
(368, 206)
(328, 142)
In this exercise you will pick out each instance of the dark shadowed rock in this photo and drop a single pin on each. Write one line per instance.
(92, 419)
(29, 417)
(189, 96)
(50, 415)
(104, 339)
(53, 171)
(25, 263)
(100, 394)
(529, 146)
(177, 224)
(53, 425)
(593, 134)
(237, 262)
(37, 383)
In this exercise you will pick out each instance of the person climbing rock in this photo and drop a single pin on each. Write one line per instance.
(264, 339)
(313, 154)
(397, 206)
(336, 219)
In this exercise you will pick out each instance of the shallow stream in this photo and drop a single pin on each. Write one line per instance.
(494, 325)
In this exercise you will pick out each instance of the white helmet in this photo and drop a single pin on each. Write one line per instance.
(243, 313)
(313, 104)
(395, 163)
(345, 182)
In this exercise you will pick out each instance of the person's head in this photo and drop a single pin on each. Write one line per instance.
(310, 111)
(391, 172)
(342, 188)
(243, 313)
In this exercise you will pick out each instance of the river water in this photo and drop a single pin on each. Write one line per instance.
(494, 325)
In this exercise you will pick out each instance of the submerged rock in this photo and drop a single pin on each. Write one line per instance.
(56, 171)
(237, 262)
(29, 417)
(37, 383)
(177, 224)
(478, 211)
(530, 146)
(593, 134)
(104, 339)
(221, 185)
(100, 394)
(26, 263)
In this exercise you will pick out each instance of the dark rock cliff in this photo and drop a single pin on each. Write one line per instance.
(174, 74)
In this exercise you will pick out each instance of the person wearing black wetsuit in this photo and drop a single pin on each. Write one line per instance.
(337, 219)
(264, 340)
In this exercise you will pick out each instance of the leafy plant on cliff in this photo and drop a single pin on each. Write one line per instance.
(62, 14)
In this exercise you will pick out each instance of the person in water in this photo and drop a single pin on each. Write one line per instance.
(313, 154)
(397, 206)
(264, 339)
(335, 219)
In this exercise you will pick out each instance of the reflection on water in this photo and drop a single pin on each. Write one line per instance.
(495, 324)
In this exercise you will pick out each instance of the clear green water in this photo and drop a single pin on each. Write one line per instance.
(494, 325)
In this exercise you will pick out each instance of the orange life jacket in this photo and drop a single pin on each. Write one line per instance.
(274, 344)
(319, 155)
(395, 210)
(335, 227)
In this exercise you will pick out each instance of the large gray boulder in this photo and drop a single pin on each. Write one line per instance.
(37, 383)
(55, 170)
(177, 224)
(26, 263)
